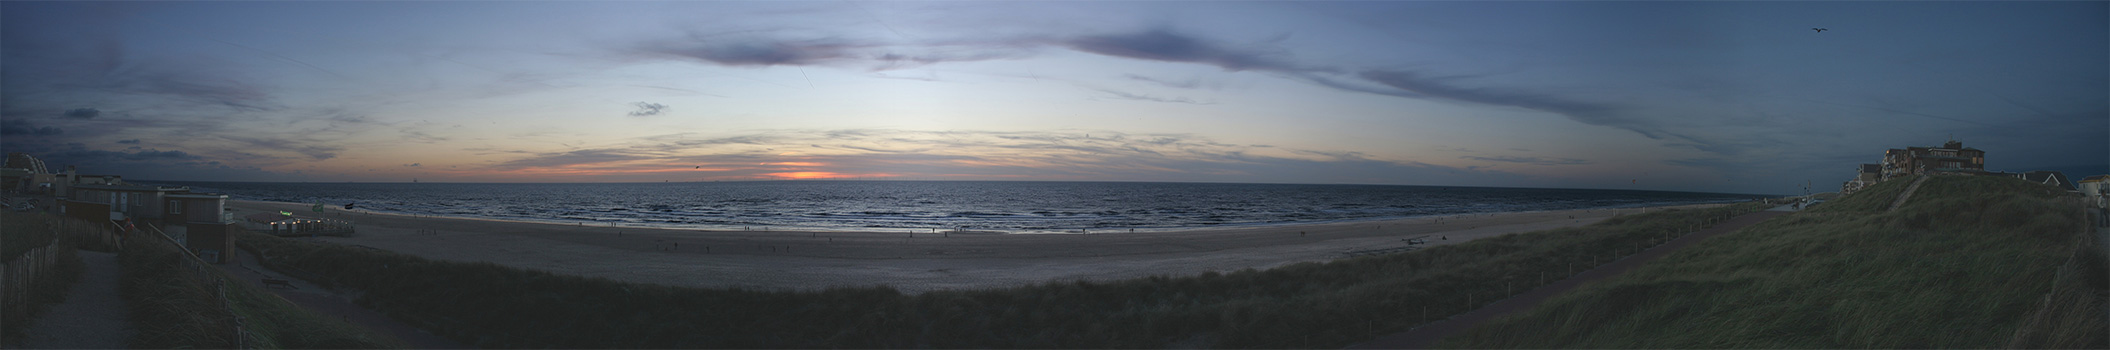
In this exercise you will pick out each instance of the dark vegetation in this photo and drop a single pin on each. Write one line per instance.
(23, 232)
(20, 233)
(173, 306)
(1967, 262)
(176, 303)
(1304, 305)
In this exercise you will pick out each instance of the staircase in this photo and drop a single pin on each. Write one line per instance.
(1908, 193)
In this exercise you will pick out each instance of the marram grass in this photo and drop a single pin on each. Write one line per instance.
(175, 307)
(1967, 262)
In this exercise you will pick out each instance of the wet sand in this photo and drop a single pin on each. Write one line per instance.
(927, 261)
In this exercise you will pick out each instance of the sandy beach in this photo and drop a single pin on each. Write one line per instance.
(911, 262)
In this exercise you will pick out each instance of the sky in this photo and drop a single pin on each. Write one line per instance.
(1738, 97)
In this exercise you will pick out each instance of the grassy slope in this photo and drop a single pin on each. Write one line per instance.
(1304, 305)
(1962, 264)
(173, 306)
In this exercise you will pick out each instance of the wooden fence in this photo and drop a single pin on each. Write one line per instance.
(21, 274)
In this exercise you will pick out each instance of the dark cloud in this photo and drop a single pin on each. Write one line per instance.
(24, 127)
(1182, 84)
(758, 52)
(1422, 86)
(743, 49)
(647, 109)
(414, 165)
(76, 153)
(159, 154)
(686, 91)
(560, 159)
(418, 134)
(1706, 163)
(82, 52)
(83, 113)
(129, 142)
(1168, 46)
(201, 82)
(312, 149)
(1529, 160)
(151, 164)
(1117, 94)
(197, 86)
(889, 61)
(1416, 85)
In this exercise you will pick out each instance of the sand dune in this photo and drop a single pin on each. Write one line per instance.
(927, 261)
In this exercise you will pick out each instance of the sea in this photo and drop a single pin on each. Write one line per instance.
(995, 206)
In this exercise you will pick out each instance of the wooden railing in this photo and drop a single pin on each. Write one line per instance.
(206, 272)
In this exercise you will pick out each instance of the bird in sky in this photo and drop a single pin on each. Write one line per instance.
(1819, 30)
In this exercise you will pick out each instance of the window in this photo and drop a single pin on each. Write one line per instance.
(175, 207)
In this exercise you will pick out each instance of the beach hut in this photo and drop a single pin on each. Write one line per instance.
(134, 202)
(201, 218)
(285, 224)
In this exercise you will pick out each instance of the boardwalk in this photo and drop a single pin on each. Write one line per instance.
(93, 315)
(1915, 187)
(1427, 335)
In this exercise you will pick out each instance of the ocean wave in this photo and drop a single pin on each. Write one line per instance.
(991, 206)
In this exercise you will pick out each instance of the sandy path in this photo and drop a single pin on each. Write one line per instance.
(92, 317)
(927, 261)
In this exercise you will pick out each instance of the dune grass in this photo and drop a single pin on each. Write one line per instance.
(1967, 262)
(279, 324)
(174, 305)
(20, 233)
(23, 232)
(1330, 304)
(1874, 198)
